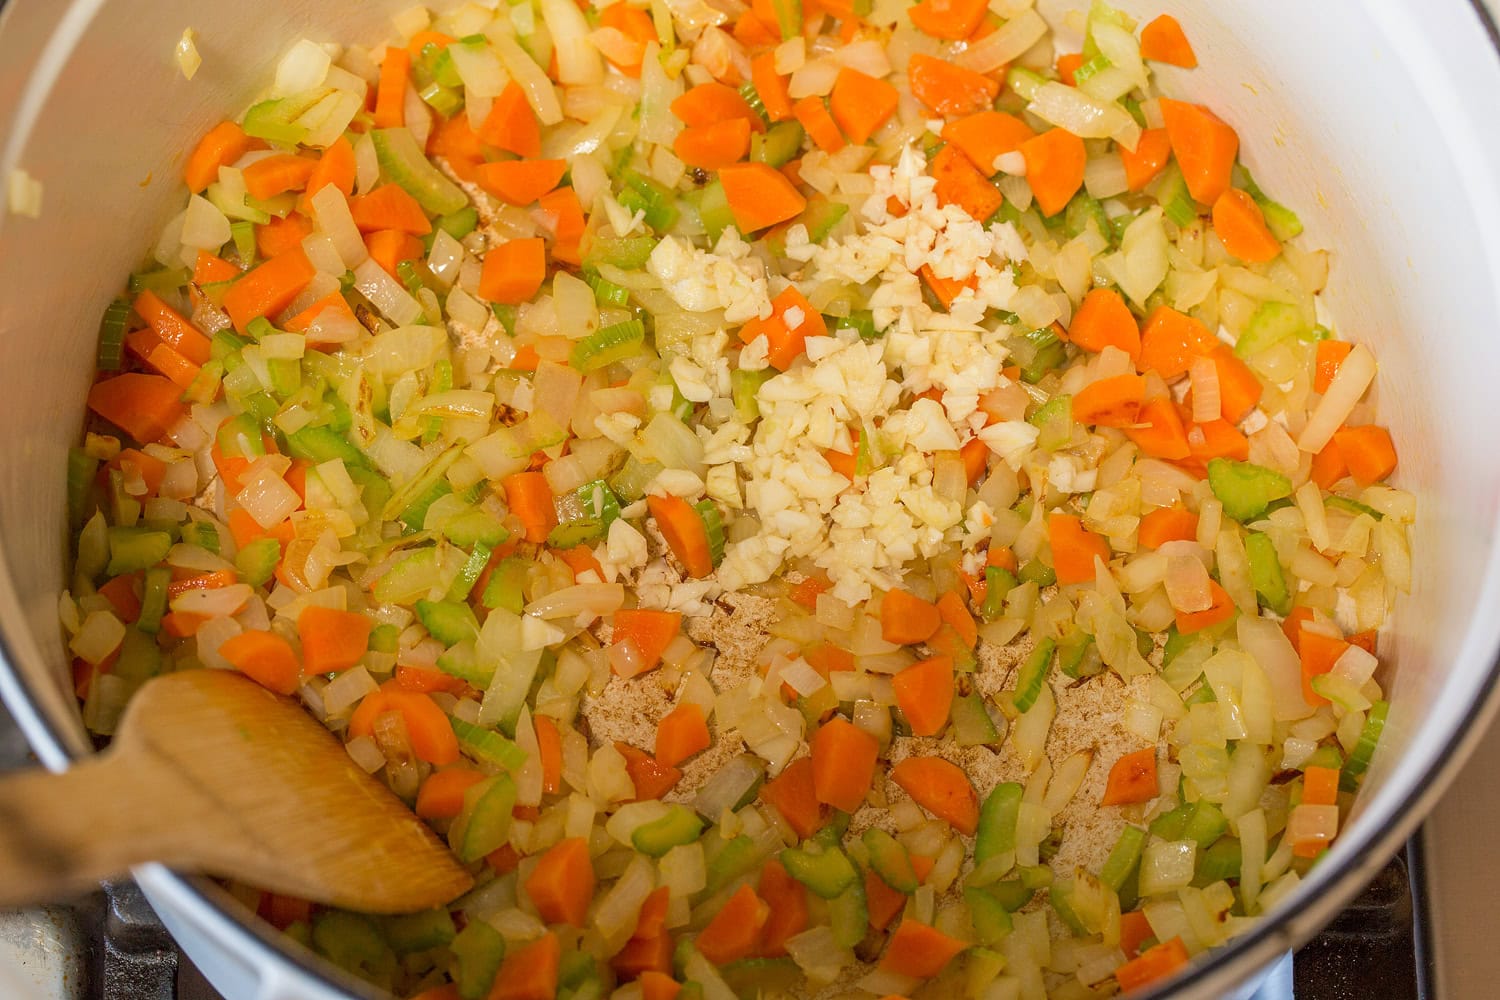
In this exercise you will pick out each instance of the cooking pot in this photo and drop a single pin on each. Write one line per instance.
(1374, 120)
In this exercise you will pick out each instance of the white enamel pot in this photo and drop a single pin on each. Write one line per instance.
(1374, 119)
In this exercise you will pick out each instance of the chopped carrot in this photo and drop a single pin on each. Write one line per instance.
(843, 760)
(1204, 145)
(562, 883)
(793, 319)
(1170, 341)
(1328, 465)
(986, 136)
(652, 919)
(1167, 524)
(685, 533)
(947, 290)
(906, 619)
(427, 726)
(656, 985)
(806, 592)
(520, 182)
(1320, 786)
(735, 930)
(424, 38)
(1054, 168)
(563, 213)
(549, 749)
(1163, 40)
(447, 991)
(842, 462)
(511, 125)
(1318, 653)
(643, 955)
(650, 630)
(1104, 320)
(752, 31)
(951, 19)
(1241, 227)
(713, 102)
(652, 779)
(813, 115)
(426, 680)
(529, 972)
(771, 86)
(1110, 402)
(1155, 963)
(265, 658)
(283, 911)
(942, 788)
(280, 235)
(204, 581)
(919, 951)
(390, 247)
(1074, 548)
(960, 183)
(636, 25)
(269, 288)
(1132, 778)
(1291, 626)
(332, 640)
(976, 456)
(787, 899)
(1001, 555)
(759, 195)
(1150, 155)
(225, 143)
(1331, 354)
(1364, 640)
(162, 358)
(793, 794)
(681, 733)
(303, 321)
(389, 207)
(1368, 452)
(273, 175)
(172, 328)
(514, 271)
(181, 624)
(121, 592)
(1221, 610)
(442, 794)
(1158, 431)
(454, 140)
(210, 269)
(882, 903)
(924, 693)
(1215, 439)
(955, 613)
(948, 89)
(715, 145)
(1068, 66)
(1240, 388)
(143, 406)
(390, 99)
(1134, 929)
(860, 104)
(530, 499)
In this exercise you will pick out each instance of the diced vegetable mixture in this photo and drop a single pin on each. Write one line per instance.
(826, 497)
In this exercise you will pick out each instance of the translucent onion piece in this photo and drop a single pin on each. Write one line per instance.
(1004, 44)
(1354, 376)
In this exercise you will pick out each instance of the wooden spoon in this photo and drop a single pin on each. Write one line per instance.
(209, 772)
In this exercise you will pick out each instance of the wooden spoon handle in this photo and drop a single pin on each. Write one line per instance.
(60, 834)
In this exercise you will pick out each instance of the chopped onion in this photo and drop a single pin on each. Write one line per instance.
(534, 82)
(1005, 43)
(480, 70)
(1204, 375)
(99, 636)
(1166, 865)
(615, 916)
(218, 602)
(347, 689)
(331, 211)
(385, 293)
(1355, 374)
(366, 753)
(304, 67)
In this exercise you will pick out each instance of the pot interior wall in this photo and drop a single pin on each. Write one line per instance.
(1338, 117)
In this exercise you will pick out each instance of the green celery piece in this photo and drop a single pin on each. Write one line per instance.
(1083, 209)
(1271, 324)
(1265, 573)
(608, 345)
(778, 145)
(998, 582)
(629, 253)
(474, 527)
(411, 502)
(162, 282)
(240, 437)
(243, 235)
(788, 17)
(1124, 858)
(826, 873)
(1325, 756)
(1171, 192)
(415, 512)
(821, 215)
(1093, 67)
(140, 658)
(1282, 221)
(990, 916)
(353, 943)
(462, 661)
(484, 823)
(201, 534)
(507, 315)
(1038, 572)
(576, 969)
(409, 932)
(225, 346)
(460, 223)
(1054, 419)
(82, 468)
(468, 575)
(449, 622)
(849, 914)
(1073, 655)
(319, 444)
(1352, 506)
(112, 335)
(274, 119)
(679, 826)
(256, 562)
(1359, 760)
(607, 293)
(714, 211)
(645, 194)
(1203, 696)
(1205, 823)
(131, 549)
(286, 376)
(444, 100)
(1220, 860)
(752, 98)
(479, 950)
(505, 587)
(403, 161)
(735, 858)
(997, 822)
(439, 64)
(890, 860)
(1176, 644)
(1033, 674)
(972, 725)
(1061, 898)
(1024, 82)
(713, 527)
(507, 690)
(487, 746)
(154, 595)
(384, 638)
(743, 386)
(1169, 825)
(755, 977)
(1244, 489)
(861, 321)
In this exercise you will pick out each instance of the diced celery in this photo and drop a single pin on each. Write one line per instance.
(972, 725)
(826, 872)
(679, 826)
(713, 527)
(154, 598)
(240, 437)
(474, 527)
(1265, 573)
(629, 253)
(242, 233)
(735, 858)
(483, 825)
(1352, 506)
(607, 293)
(788, 17)
(403, 161)
(415, 512)
(849, 914)
(1124, 858)
(778, 145)
(990, 917)
(1024, 82)
(1037, 572)
(112, 335)
(82, 469)
(164, 281)
(645, 194)
(479, 950)
(487, 746)
(1271, 324)
(1033, 674)
(1244, 489)
(861, 321)
(608, 345)
(504, 589)
(460, 223)
(256, 561)
(319, 444)
(743, 386)
(997, 822)
(131, 549)
(713, 210)
(890, 860)
(1055, 422)
(409, 932)
(353, 942)
(1084, 209)
(1359, 760)
(998, 582)
(449, 622)
(752, 98)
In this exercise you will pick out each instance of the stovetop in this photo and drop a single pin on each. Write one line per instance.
(111, 946)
